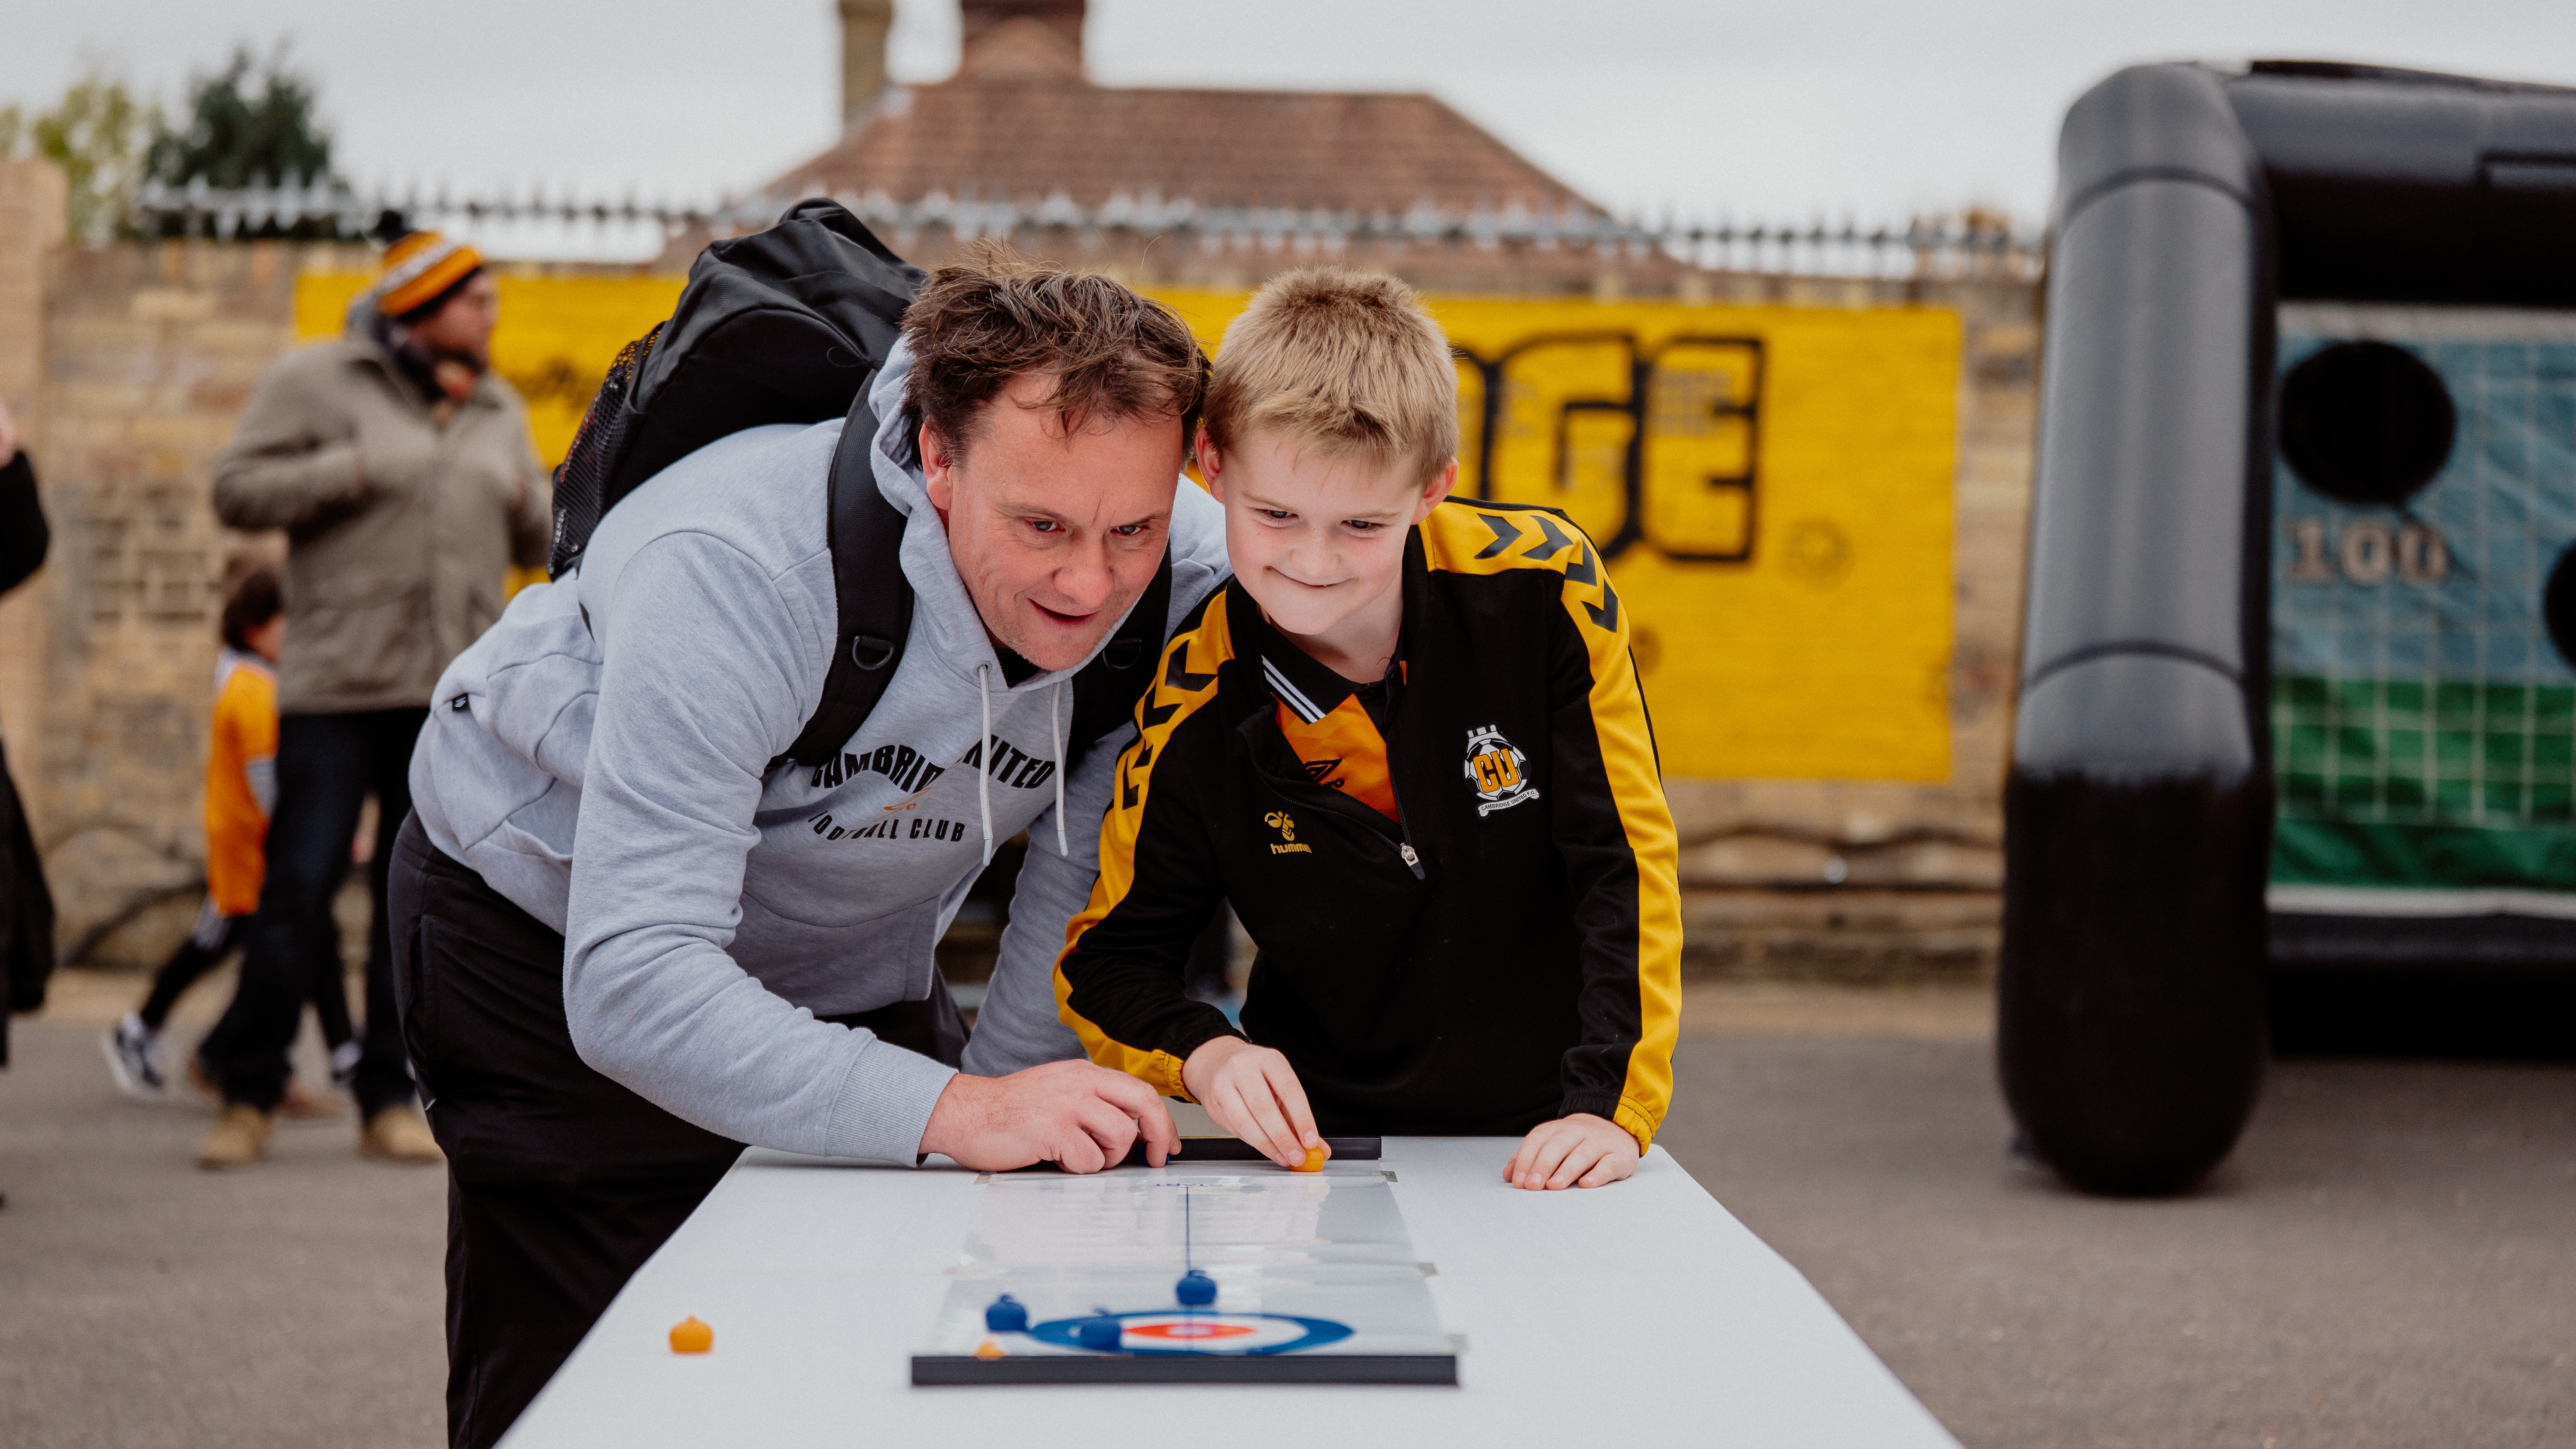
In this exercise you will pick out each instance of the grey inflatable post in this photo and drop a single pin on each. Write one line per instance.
(2138, 809)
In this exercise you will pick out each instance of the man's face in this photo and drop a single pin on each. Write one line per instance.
(462, 330)
(1054, 533)
(1314, 539)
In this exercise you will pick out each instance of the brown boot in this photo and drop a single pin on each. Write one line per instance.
(397, 1134)
(237, 1139)
(300, 1105)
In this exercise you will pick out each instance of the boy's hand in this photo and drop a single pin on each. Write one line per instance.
(1577, 1150)
(1253, 1093)
(1080, 1117)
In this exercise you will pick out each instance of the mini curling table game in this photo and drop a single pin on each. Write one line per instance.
(849, 1304)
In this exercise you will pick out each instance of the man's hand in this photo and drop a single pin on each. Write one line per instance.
(1253, 1093)
(1080, 1117)
(1577, 1150)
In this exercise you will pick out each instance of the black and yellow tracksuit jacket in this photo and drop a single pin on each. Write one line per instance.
(1462, 887)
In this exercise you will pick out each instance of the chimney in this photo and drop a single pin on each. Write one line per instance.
(864, 27)
(1021, 39)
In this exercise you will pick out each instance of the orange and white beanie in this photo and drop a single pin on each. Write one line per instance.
(418, 267)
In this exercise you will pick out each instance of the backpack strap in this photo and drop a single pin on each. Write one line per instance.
(1106, 691)
(874, 613)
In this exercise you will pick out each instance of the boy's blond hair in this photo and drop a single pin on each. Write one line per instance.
(1344, 364)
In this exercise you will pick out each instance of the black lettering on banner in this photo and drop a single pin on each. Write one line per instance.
(1680, 441)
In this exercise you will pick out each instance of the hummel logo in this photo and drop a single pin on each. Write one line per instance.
(1286, 825)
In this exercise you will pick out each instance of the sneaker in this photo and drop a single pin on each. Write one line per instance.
(129, 1058)
(397, 1134)
(237, 1139)
(344, 1065)
(303, 1106)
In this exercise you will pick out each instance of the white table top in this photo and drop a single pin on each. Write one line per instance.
(1640, 1309)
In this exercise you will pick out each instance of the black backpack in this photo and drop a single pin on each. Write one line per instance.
(791, 325)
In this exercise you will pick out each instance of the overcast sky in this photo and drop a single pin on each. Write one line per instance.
(1760, 108)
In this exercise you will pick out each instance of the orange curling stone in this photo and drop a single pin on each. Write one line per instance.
(691, 1336)
(1314, 1161)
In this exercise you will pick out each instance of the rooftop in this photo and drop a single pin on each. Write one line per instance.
(1021, 120)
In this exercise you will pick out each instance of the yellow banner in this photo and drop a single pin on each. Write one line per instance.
(1772, 485)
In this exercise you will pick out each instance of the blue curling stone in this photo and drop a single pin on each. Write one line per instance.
(1196, 1289)
(1099, 1331)
(1007, 1315)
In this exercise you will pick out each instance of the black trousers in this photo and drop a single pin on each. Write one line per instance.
(215, 937)
(26, 906)
(327, 766)
(560, 1182)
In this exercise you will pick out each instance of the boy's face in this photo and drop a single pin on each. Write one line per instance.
(1316, 540)
(267, 640)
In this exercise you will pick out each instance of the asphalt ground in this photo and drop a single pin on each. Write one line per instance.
(2388, 1259)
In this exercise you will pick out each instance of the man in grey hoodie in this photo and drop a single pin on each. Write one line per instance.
(629, 939)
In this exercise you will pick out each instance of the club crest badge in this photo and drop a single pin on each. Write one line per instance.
(1494, 770)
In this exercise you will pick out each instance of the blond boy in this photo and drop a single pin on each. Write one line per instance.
(1407, 742)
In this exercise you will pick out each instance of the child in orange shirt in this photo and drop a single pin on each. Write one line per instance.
(241, 786)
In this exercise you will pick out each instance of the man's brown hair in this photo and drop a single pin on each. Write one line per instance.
(992, 317)
(1345, 364)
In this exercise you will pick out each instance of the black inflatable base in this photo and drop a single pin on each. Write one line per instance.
(2130, 995)
(2451, 1009)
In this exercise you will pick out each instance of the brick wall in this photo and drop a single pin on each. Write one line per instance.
(32, 195)
(150, 354)
(1878, 879)
(145, 354)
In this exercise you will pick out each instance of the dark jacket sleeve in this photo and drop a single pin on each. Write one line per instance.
(23, 535)
(1615, 833)
(1120, 982)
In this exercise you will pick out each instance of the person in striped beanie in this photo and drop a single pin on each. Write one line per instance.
(398, 463)
(435, 307)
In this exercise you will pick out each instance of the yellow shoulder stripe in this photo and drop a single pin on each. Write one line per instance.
(1187, 682)
(1464, 536)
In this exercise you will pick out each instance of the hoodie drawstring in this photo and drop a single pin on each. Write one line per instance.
(984, 761)
(1055, 736)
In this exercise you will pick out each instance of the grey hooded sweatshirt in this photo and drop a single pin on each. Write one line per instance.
(600, 758)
